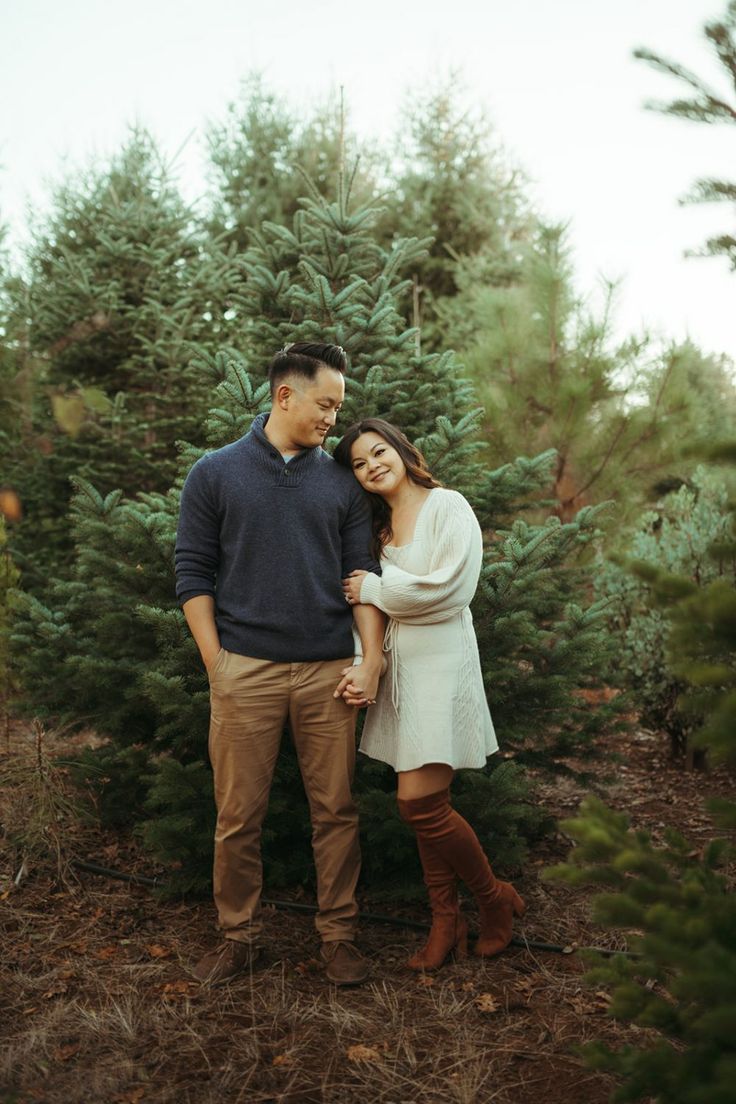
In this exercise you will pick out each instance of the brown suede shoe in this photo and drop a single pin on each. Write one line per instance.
(345, 963)
(225, 962)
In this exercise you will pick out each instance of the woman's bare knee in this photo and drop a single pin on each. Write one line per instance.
(424, 780)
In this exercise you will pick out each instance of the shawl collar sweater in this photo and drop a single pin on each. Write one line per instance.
(271, 541)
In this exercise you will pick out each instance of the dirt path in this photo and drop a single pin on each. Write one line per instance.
(96, 1002)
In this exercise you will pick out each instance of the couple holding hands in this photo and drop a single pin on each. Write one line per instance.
(286, 560)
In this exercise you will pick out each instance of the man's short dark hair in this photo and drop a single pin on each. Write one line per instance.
(305, 358)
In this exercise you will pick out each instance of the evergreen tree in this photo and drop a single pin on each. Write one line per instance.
(119, 285)
(680, 920)
(551, 377)
(672, 901)
(704, 104)
(256, 151)
(676, 907)
(450, 180)
(111, 647)
(676, 537)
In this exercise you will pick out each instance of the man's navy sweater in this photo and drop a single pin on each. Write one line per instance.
(270, 541)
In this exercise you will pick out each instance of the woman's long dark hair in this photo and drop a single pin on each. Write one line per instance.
(414, 462)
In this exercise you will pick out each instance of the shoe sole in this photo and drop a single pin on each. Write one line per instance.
(217, 982)
(345, 984)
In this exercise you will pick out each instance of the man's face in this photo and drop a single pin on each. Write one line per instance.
(312, 407)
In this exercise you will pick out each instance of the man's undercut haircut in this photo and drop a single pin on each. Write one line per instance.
(304, 359)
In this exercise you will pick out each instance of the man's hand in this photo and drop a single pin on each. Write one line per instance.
(359, 684)
(200, 616)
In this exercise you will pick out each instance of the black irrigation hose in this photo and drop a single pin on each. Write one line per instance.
(366, 917)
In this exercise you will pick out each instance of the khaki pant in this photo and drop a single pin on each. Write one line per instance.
(250, 702)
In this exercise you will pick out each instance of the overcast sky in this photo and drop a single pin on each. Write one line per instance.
(556, 78)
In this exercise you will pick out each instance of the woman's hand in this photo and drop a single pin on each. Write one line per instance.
(359, 684)
(351, 587)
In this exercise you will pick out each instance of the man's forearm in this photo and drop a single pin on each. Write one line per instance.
(200, 615)
(371, 624)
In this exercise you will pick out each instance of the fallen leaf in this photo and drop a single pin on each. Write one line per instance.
(425, 980)
(468, 986)
(310, 966)
(282, 1060)
(176, 990)
(361, 1053)
(158, 952)
(485, 1002)
(106, 952)
(56, 990)
(64, 1053)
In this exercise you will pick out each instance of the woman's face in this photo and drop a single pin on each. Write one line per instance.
(377, 465)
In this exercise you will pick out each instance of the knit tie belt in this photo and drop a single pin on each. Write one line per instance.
(389, 645)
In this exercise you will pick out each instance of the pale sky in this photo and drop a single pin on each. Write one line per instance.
(556, 78)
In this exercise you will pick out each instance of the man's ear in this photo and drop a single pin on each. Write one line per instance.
(282, 396)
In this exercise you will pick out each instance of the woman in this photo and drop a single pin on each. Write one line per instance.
(430, 716)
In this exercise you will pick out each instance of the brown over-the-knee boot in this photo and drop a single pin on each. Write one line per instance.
(455, 844)
(449, 932)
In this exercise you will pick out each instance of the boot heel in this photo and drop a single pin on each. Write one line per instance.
(518, 903)
(461, 949)
(461, 945)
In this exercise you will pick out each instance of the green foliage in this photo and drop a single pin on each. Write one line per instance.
(111, 779)
(107, 645)
(540, 646)
(706, 105)
(676, 539)
(672, 900)
(452, 180)
(260, 151)
(181, 831)
(701, 647)
(41, 816)
(551, 376)
(120, 284)
(681, 923)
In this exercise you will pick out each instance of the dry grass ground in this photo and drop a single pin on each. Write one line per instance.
(97, 1004)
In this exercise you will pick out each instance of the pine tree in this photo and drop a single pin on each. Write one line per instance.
(674, 537)
(116, 650)
(260, 151)
(451, 180)
(551, 376)
(120, 284)
(680, 919)
(706, 105)
(672, 901)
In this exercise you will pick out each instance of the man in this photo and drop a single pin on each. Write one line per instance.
(269, 525)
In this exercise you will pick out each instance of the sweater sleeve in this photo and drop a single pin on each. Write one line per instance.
(450, 584)
(356, 535)
(197, 552)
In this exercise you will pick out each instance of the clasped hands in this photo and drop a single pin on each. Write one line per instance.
(359, 684)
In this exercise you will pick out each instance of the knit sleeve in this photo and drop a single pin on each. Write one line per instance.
(197, 551)
(356, 535)
(449, 585)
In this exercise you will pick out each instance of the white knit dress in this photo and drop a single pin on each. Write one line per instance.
(431, 706)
